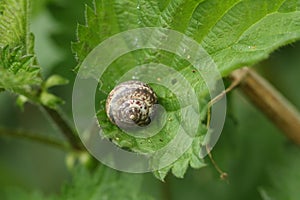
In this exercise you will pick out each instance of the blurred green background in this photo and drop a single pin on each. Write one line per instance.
(260, 161)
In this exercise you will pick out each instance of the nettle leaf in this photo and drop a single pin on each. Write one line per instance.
(13, 22)
(48, 99)
(55, 80)
(234, 33)
(18, 70)
(104, 183)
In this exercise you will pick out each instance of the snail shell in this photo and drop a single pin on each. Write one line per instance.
(131, 103)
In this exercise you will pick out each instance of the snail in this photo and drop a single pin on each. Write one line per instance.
(131, 104)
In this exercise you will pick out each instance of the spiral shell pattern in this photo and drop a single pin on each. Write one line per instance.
(131, 103)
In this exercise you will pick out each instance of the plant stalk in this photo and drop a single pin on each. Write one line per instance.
(34, 137)
(273, 104)
(65, 128)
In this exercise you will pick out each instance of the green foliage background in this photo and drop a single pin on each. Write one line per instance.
(260, 161)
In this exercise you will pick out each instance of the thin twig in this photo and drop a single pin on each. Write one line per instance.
(233, 85)
(277, 108)
(65, 128)
(223, 175)
(34, 137)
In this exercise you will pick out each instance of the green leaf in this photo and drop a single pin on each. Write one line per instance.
(55, 80)
(18, 66)
(105, 183)
(50, 100)
(14, 25)
(13, 22)
(234, 33)
(18, 71)
(180, 166)
(21, 100)
(162, 173)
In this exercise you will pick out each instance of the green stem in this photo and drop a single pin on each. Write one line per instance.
(34, 137)
(65, 128)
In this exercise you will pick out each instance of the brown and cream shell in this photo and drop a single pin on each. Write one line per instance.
(131, 103)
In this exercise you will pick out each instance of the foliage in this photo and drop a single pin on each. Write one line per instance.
(102, 184)
(18, 73)
(19, 69)
(233, 32)
(238, 33)
(14, 24)
(105, 183)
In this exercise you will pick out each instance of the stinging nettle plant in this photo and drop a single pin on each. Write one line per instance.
(234, 33)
